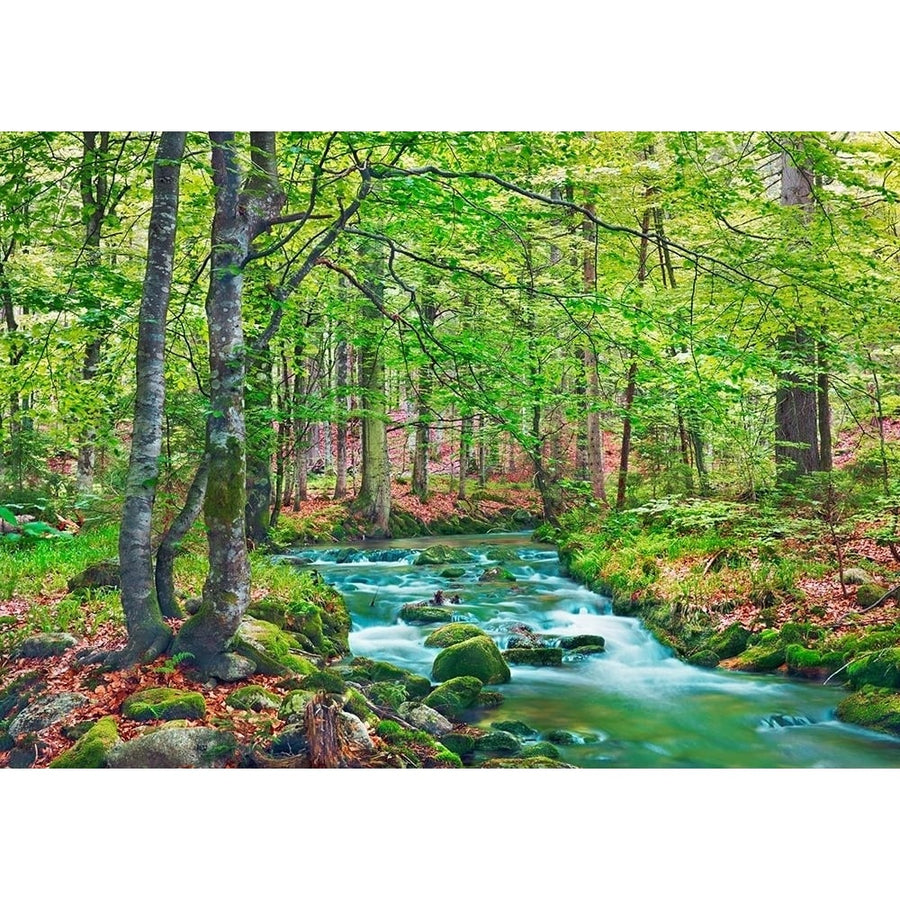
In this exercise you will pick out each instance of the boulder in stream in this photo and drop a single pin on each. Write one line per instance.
(454, 633)
(454, 695)
(477, 656)
(440, 555)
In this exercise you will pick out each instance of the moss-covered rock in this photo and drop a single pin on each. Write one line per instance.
(273, 650)
(560, 736)
(498, 743)
(253, 697)
(802, 633)
(367, 670)
(90, 750)
(807, 663)
(292, 741)
(872, 707)
(490, 700)
(541, 748)
(503, 554)
(355, 702)
(391, 694)
(43, 712)
(423, 614)
(300, 617)
(453, 572)
(477, 656)
(329, 682)
(6, 742)
(880, 668)
(455, 695)
(17, 694)
(458, 743)
(496, 573)
(529, 762)
(730, 642)
(41, 646)
(856, 576)
(869, 593)
(174, 748)
(440, 555)
(106, 574)
(534, 656)
(164, 703)
(706, 659)
(513, 726)
(575, 642)
(454, 633)
(762, 657)
(426, 719)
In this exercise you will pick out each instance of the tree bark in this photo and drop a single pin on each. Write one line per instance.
(238, 219)
(342, 368)
(594, 459)
(148, 635)
(423, 418)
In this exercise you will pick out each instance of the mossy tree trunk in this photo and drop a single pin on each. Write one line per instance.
(374, 498)
(423, 417)
(342, 371)
(239, 217)
(148, 635)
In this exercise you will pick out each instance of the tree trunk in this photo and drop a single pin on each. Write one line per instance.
(226, 592)
(94, 199)
(423, 418)
(465, 450)
(342, 368)
(148, 635)
(594, 460)
(631, 383)
(374, 498)
(826, 456)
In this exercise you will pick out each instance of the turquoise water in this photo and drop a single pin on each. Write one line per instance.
(634, 706)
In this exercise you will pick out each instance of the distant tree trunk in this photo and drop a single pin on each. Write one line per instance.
(374, 498)
(631, 383)
(283, 433)
(148, 635)
(423, 418)
(797, 413)
(260, 443)
(826, 456)
(342, 368)
(238, 218)
(94, 199)
(465, 449)
(302, 378)
(594, 460)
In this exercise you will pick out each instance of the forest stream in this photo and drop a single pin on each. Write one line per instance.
(635, 705)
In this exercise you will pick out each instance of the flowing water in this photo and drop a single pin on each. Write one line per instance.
(635, 705)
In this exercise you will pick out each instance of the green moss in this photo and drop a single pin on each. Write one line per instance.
(329, 682)
(461, 744)
(730, 642)
(368, 670)
(274, 651)
(448, 759)
(576, 642)
(541, 748)
(880, 668)
(802, 661)
(872, 707)
(294, 705)
(252, 697)
(454, 695)
(355, 702)
(706, 659)
(226, 494)
(478, 657)
(423, 614)
(498, 743)
(441, 554)
(800, 633)
(534, 656)
(164, 703)
(387, 693)
(763, 657)
(503, 554)
(454, 633)
(869, 593)
(453, 572)
(387, 729)
(496, 573)
(519, 729)
(16, 695)
(90, 750)
(560, 736)
(530, 762)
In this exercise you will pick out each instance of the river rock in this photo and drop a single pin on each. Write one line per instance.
(367, 670)
(458, 743)
(253, 697)
(454, 633)
(535, 656)
(232, 667)
(19, 692)
(502, 554)
(174, 748)
(524, 640)
(575, 642)
(164, 703)
(91, 750)
(495, 573)
(498, 743)
(880, 668)
(106, 574)
(730, 642)
(518, 762)
(453, 572)
(274, 652)
(540, 748)
(477, 656)
(440, 555)
(41, 646)
(354, 731)
(43, 713)
(455, 695)
(423, 614)
(872, 707)
(519, 729)
(426, 719)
